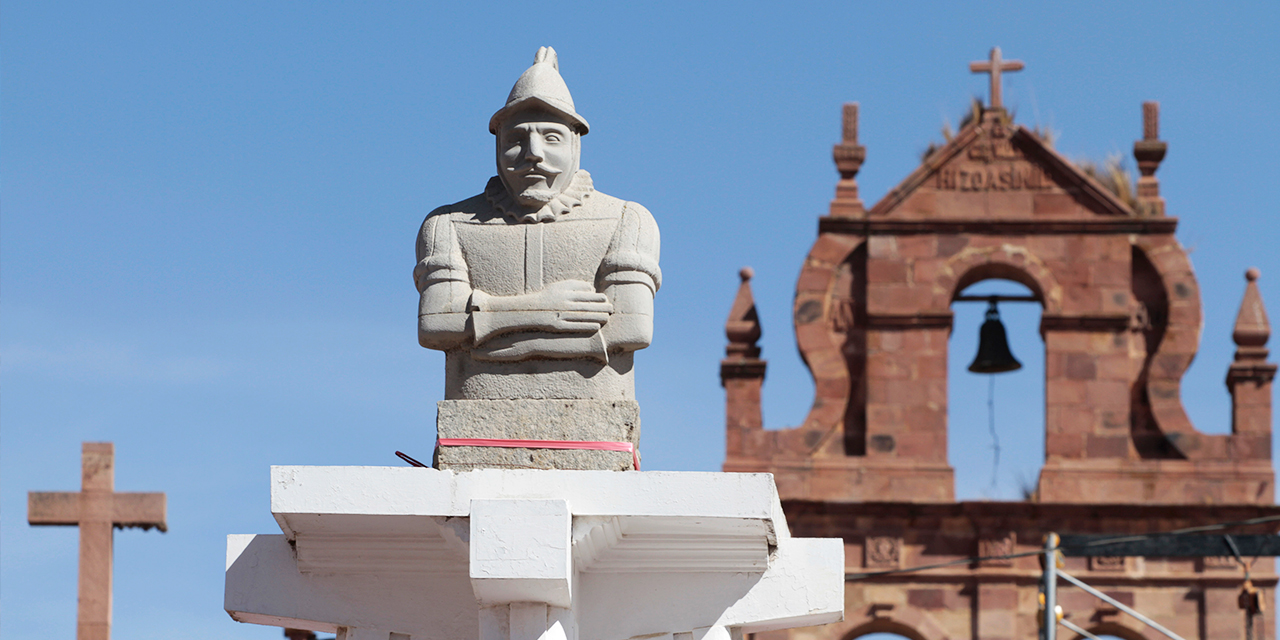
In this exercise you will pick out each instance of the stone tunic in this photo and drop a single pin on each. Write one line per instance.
(473, 246)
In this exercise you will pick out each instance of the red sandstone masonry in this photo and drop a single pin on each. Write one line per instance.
(870, 457)
(1082, 279)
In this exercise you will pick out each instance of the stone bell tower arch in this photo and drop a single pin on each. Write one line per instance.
(1121, 322)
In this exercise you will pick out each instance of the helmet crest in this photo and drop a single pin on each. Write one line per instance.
(541, 86)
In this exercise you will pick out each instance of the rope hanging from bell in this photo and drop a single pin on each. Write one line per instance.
(993, 345)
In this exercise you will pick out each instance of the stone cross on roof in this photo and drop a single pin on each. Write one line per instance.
(995, 66)
(96, 509)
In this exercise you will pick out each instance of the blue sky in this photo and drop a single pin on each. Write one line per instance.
(208, 213)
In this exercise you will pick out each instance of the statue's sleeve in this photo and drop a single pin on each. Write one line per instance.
(633, 252)
(629, 276)
(443, 284)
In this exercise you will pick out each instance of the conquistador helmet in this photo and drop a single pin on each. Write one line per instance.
(541, 86)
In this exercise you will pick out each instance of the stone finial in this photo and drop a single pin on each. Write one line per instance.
(848, 156)
(742, 370)
(743, 326)
(1252, 329)
(1249, 377)
(1149, 152)
(1150, 120)
(850, 122)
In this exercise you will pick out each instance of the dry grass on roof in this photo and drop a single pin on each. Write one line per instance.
(973, 113)
(1113, 175)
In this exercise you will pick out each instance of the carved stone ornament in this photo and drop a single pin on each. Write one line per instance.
(538, 289)
(883, 552)
(1220, 562)
(1107, 563)
(1003, 546)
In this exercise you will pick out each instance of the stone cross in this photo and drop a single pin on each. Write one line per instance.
(96, 509)
(995, 66)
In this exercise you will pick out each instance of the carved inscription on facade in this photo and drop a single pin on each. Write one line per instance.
(883, 552)
(993, 149)
(997, 176)
(992, 163)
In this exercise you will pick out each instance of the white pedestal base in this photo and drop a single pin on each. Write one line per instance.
(394, 553)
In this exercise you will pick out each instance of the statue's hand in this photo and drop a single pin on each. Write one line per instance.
(575, 307)
(569, 306)
(516, 347)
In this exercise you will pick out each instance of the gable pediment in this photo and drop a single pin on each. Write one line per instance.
(998, 171)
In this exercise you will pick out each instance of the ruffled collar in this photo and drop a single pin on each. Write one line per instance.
(579, 189)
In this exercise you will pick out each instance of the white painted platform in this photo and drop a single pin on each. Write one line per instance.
(398, 553)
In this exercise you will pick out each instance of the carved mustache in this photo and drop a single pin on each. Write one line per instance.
(539, 169)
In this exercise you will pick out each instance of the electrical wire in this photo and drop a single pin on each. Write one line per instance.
(1189, 530)
(926, 567)
(1008, 556)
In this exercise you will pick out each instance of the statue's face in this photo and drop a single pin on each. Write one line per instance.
(537, 156)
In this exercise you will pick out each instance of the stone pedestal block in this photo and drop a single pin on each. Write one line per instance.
(564, 420)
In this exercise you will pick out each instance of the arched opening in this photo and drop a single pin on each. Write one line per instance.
(996, 459)
(883, 629)
(1105, 631)
(882, 636)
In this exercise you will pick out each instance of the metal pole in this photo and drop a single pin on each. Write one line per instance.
(1119, 605)
(1076, 628)
(1050, 586)
(1245, 595)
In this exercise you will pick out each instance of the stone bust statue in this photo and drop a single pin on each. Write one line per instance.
(540, 287)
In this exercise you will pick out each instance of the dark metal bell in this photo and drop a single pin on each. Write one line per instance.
(993, 346)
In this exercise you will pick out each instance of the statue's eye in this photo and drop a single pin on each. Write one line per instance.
(553, 137)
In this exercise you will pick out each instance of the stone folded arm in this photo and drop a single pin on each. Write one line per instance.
(568, 319)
